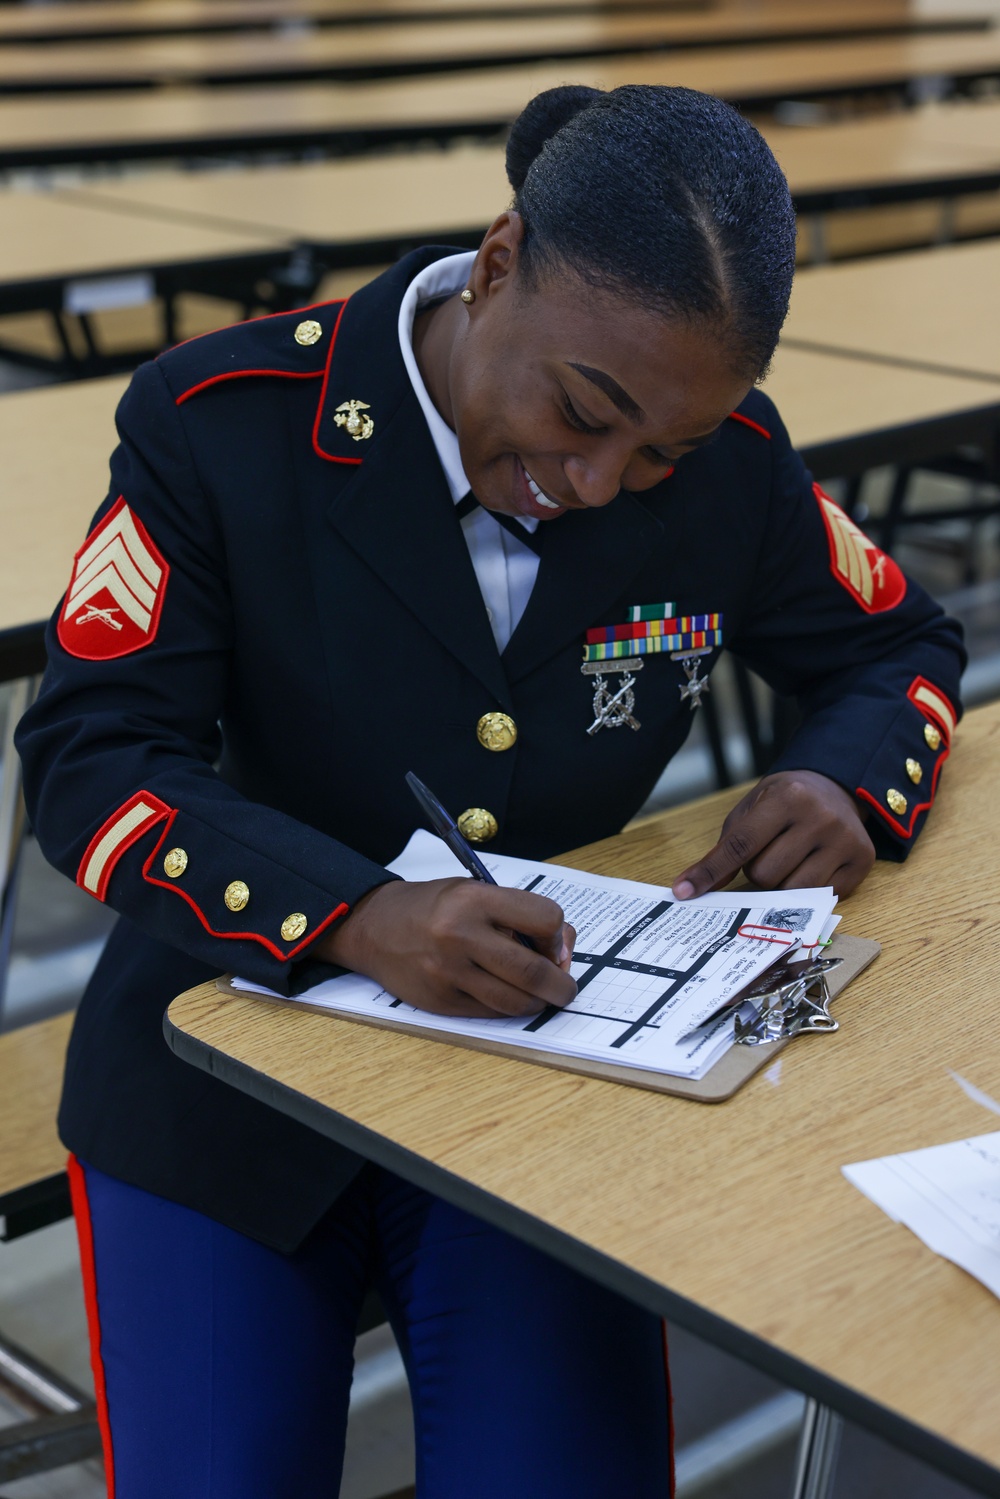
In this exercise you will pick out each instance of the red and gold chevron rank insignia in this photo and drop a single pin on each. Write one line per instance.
(871, 578)
(115, 595)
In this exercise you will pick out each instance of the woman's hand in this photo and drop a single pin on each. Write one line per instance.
(447, 946)
(795, 829)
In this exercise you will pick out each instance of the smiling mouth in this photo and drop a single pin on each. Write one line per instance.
(538, 494)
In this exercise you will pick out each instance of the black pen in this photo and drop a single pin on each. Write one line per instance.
(448, 831)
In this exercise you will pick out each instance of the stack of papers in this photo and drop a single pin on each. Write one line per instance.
(948, 1195)
(650, 970)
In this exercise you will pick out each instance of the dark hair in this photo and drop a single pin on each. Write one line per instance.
(664, 195)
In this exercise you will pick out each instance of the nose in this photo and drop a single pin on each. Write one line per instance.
(597, 479)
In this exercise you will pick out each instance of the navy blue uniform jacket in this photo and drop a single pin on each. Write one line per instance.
(274, 618)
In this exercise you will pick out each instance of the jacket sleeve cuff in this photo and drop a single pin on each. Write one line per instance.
(899, 781)
(255, 904)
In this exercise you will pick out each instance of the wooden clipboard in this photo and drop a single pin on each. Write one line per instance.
(729, 1074)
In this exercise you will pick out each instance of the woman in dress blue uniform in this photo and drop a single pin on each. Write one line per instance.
(377, 536)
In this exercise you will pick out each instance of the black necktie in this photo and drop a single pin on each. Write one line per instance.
(530, 539)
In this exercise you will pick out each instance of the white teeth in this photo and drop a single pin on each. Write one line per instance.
(540, 496)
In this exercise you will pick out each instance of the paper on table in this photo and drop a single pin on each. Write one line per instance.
(649, 968)
(948, 1195)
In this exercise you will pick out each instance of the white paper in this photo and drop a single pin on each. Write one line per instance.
(948, 1195)
(649, 968)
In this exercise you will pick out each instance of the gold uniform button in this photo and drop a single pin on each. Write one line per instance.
(496, 731)
(293, 926)
(932, 736)
(915, 771)
(897, 801)
(309, 332)
(236, 896)
(478, 825)
(174, 863)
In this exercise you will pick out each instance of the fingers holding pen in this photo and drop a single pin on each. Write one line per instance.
(448, 946)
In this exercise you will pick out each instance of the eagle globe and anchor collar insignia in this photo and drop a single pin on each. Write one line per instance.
(349, 416)
(649, 630)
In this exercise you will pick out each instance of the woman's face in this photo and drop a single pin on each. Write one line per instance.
(561, 395)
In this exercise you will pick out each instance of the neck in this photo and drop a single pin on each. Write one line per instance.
(435, 333)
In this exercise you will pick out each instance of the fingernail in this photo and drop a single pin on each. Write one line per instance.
(565, 953)
(683, 890)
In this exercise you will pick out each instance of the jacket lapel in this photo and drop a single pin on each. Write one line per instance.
(395, 508)
(588, 560)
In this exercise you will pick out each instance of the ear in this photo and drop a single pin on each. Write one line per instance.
(496, 264)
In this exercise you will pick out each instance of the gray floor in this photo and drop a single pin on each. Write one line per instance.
(58, 936)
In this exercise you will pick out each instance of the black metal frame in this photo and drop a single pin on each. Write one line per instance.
(290, 277)
(35, 1205)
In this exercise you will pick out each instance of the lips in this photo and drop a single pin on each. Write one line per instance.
(531, 499)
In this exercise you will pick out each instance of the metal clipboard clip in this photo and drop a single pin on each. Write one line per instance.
(782, 1003)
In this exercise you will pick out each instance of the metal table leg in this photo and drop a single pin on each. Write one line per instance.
(12, 821)
(816, 1460)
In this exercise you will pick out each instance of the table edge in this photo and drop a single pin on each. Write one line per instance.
(921, 1443)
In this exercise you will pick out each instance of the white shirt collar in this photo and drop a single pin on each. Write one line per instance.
(441, 279)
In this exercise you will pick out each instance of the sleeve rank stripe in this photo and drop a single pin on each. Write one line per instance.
(930, 701)
(123, 828)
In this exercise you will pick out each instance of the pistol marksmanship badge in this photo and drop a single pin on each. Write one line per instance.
(649, 630)
(348, 415)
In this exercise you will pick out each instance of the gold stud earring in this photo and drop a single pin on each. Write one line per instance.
(468, 296)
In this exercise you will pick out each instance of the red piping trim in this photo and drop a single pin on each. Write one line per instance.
(267, 316)
(670, 1407)
(283, 957)
(736, 416)
(894, 822)
(947, 729)
(158, 812)
(239, 374)
(85, 1236)
(330, 457)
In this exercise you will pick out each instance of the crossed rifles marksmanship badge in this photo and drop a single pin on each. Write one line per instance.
(611, 650)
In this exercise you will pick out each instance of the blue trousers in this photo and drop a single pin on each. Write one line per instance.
(223, 1368)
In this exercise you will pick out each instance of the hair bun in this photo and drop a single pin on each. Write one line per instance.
(539, 121)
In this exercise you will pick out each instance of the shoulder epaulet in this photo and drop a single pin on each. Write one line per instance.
(294, 345)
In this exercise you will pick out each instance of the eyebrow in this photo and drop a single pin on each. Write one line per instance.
(612, 390)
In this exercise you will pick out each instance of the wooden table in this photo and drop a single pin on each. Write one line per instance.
(359, 210)
(177, 121)
(847, 414)
(33, 1188)
(73, 257)
(937, 310)
(697, 20)
(55, 441)
(48, 238)
(734, 1221)
(764, 71)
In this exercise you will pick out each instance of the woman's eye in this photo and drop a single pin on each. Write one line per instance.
(576, 420)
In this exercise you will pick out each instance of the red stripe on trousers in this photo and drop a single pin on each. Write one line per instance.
(670, 1409)
(85, 1235)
